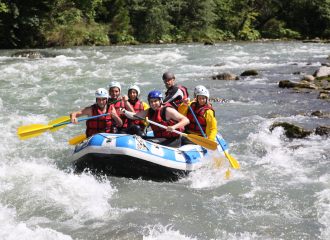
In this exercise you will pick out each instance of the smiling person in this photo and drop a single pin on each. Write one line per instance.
(138, 106)
(175, 94)
(101, 124)
(204, 113)
(114, 90)
(166, 116)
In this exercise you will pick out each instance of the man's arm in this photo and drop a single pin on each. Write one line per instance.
(86, 111)
(172, 114)
(115, 116)
(211, 124)
(128, 106)
(176, 94)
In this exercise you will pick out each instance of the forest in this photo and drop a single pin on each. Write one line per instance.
(45, 23)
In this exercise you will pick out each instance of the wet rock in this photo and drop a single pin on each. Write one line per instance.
(326, 64)
(219, 65)
(289, 84)
(291, 130)
(317, 113)
(225, 76)
(249, 73)
(327, 87)
(323, 131)
(32, 54)
(322, 72)
(209, 43)
(312, 41)
(328, 57)
(299, 73)
(160, 42)
(216, 99)
(323, 95)
(308, 78)
(309, 63)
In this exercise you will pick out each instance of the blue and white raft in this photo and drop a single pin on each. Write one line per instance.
(133, 157)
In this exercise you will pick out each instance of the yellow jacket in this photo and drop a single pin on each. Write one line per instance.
(145, 107)
(211, 123)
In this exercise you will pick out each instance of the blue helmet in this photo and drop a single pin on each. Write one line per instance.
(155, 94)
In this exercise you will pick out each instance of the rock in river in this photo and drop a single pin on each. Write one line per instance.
(226, 76)
(249, 73)
(291, 130)
(32, 54)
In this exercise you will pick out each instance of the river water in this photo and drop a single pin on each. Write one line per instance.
(277, 193)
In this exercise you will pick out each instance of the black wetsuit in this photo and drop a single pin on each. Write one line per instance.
(175, 93)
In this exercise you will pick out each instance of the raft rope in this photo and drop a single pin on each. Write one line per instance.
(141, 144)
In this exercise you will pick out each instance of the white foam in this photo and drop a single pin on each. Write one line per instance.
(160, 232)
(12, 228)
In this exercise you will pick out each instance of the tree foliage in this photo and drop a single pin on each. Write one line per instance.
(77, 22)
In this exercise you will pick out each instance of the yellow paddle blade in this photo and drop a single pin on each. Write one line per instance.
(29, 131)
(227, 174)
(232, 161)
(204, 142)
(75, 141)
(58, 121)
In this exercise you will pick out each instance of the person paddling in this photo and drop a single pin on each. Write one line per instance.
(175, 94)
(204, 113)
(101, 124)
(138, 106)
(115, 90)
(166, 116)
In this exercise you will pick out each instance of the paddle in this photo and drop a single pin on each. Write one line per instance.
(232, 161)
(57, 121)
(75, 141)
(33, 130)
(194, 138)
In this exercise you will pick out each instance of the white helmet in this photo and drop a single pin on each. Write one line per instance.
(136, 88)
(115, 84)
(101, 93)
(201, 90)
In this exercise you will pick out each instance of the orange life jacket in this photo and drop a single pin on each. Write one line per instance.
(122, 116)
(138, 107)
(199, 113)
(159, 116)
(101, 124)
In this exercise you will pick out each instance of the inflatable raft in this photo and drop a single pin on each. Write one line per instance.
(133, 157)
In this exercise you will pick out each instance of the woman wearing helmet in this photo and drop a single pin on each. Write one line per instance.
(101, 124)
(204, 113)
(114, 90)
(166, 116)
(138, 106)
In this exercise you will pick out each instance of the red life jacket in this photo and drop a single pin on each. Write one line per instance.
(178, 102)
(199, 113)
(123, 117)
(101, 124)
(138, 107)
(159, 116)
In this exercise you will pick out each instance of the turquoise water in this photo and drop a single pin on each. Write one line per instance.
(278, 193)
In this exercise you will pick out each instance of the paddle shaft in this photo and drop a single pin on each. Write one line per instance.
(83, 119)
(154, 123)
(200, 128)
(31, 128)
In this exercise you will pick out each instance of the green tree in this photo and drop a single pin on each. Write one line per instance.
(150, 20)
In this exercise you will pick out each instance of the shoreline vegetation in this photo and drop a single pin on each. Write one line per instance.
(48, 23)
